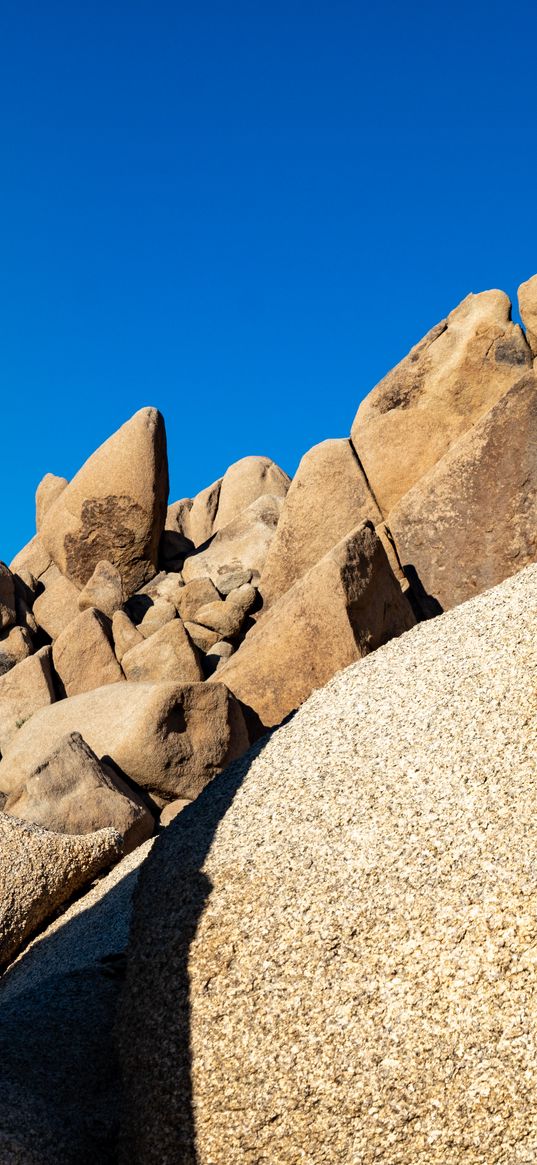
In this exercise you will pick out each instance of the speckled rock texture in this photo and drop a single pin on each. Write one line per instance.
(40, 870)
(59, 1084)
(334, 953)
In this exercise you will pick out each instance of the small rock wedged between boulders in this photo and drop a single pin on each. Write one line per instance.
(83, 654)
(24, 689)
(345, 606)
(72, 791)
(170, 739)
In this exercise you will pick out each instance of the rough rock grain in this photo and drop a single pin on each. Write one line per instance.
(114, 509)
(472, 520)
(72, 791)
(445, 384)
(343, 965)
(39, 871)
(167, 738)
(344, 607)
(328, 497)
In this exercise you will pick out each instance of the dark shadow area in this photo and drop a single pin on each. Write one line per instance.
(58, 1063)
(424, 606)
(154, 1019)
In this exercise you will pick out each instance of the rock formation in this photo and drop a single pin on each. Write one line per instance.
(146, 645)
(342, 967)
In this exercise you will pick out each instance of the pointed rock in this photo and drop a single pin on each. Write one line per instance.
(40, 870)
(168, 738)
(347, 605)
(245, 482)
(115, 506)
(527, 303)
(328, 497)
(47, 492)
(471, 522)
(445, 384)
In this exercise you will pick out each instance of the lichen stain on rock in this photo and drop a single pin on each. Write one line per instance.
(109, 529)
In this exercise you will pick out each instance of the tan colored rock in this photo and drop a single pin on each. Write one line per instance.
(166, 585)
(48, 491)
(83, 654)
(168, 654)
(57, 605)
(527, 303)
(174, 543)
(72, 791)
(446, 383)
(177, 516)
(33, 557)
(24, 689)
(125, 634)
(7, 597)
(26, 589)
(201, 636)
(242, 544)
(170, 739)
(172, 810)
(345, 606)
(157, 615)
(104, 590)
(226, 617)
(15, 645)
(328, 497)
(39, 871)
(199, 520)
(342, 967)
(245, 482)
(114, 509)
(217, 656)
(229, 578)
(472, 520)
(194, 595)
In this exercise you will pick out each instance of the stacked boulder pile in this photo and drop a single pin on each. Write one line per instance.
(144, 646)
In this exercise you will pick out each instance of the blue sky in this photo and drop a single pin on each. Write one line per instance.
(243, 213)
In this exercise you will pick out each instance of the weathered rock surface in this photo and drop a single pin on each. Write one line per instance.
(329, 496)
(342, 967)
(57, 604)
(245, 482)
(227, 616)
(48, 491)
(72, 791)
(40, 870)
(15, 645)
(445, 384)
(194, 595)
(59, 1080)
(114, 509)
(198, 521)
(201, 636)
(125, 634)
(104, 590)
(24, 689)
(83, 654)
(168, 738)
(7, 597)
(472, 520)
(527, 303)
(168, 654)
(243, 544)
(347, 605)
(157, 616)
(33, 558)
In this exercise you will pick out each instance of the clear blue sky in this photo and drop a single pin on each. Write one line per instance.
(243, 213)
